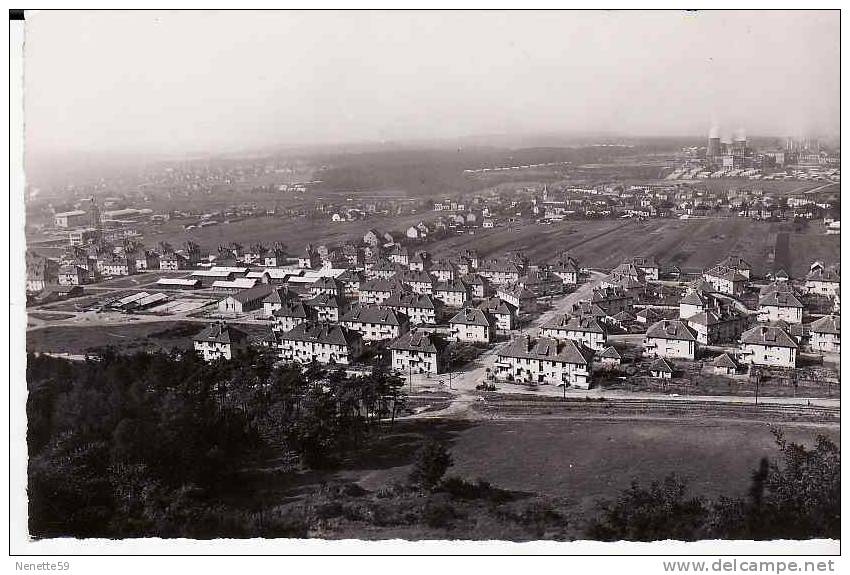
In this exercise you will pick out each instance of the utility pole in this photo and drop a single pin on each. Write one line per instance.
(758, 381)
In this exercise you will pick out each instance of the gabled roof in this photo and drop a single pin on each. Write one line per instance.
(409, 299)
(623, 316)
(777, 286)
(374, 314)
(726, 273)
(259, 291)
(611, 352)
(497, 306)
(499, 266)
(451, 286)
(736, 262)
(589, 309)
(608, 294)
(320, 333)
(695, 297)
(584, 323)
(702, 286)
(768, 335)
(725, 360)
(780, 299)
(279, 295)
(649, 314)
(421, 341)
(548, 349)
(326, 282)
(292, 308)
(519, 292)
(671, 329)
(827, 324)
(415, 276)
(714, 316)
(473, 316)
(383, 285)
(827, 275)
(662, 365)
(325, 300)
(221, 333)
(350, 276)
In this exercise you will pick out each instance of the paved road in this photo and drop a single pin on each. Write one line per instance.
(463, 383)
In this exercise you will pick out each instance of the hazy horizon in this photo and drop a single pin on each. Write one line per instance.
(174, 83)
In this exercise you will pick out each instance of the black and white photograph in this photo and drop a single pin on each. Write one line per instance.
(524, 278)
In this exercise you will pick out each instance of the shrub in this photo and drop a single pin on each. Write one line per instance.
(431, 464)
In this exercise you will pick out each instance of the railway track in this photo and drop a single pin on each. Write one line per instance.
(656, 407)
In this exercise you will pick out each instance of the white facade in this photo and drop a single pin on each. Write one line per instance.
(211, 350)
(410, 361)
(768, 355)
(669, 348)
(532, 370)
(790, 314)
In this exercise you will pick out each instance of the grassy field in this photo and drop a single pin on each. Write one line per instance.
(690, 244)
(582, 460)
(130, 337)
(296, 233)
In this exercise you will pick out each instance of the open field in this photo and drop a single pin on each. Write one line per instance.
(296, 233)
(130, 337)
(581, 460)
(690, 244)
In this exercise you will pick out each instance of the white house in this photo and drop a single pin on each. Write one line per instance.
(420, 308)
(275, 300)
(546, 360)
(694, 302)
(220, 341)
(670, 338)
(453, 293)
(661, 369)
(376, 323)
(738, 264)
(292, 313)
(245, 300)
(329, 308)
(769, 346)
(72, 275)
(420, 282)
(326, 285)
(521, 298)
(724, 364)
(826, 334)
(377, 291)
(173, 262)
(505, 313)
(472, 325)
(726, 280)
(612, 299)
(327, 344)
(780, 306)
(647, 265)
(444, 271)
(717, 325)
(586, 330)
(419, 352)
(568, 270)
(823, 282)
(610, 357)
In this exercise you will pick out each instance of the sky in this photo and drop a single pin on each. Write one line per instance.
(187, 82)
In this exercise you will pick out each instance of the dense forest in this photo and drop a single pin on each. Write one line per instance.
(157, 444)
(135, 445)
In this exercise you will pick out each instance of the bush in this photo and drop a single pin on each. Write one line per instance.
(431, 464)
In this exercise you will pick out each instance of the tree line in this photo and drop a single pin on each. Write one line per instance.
(139, 445)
